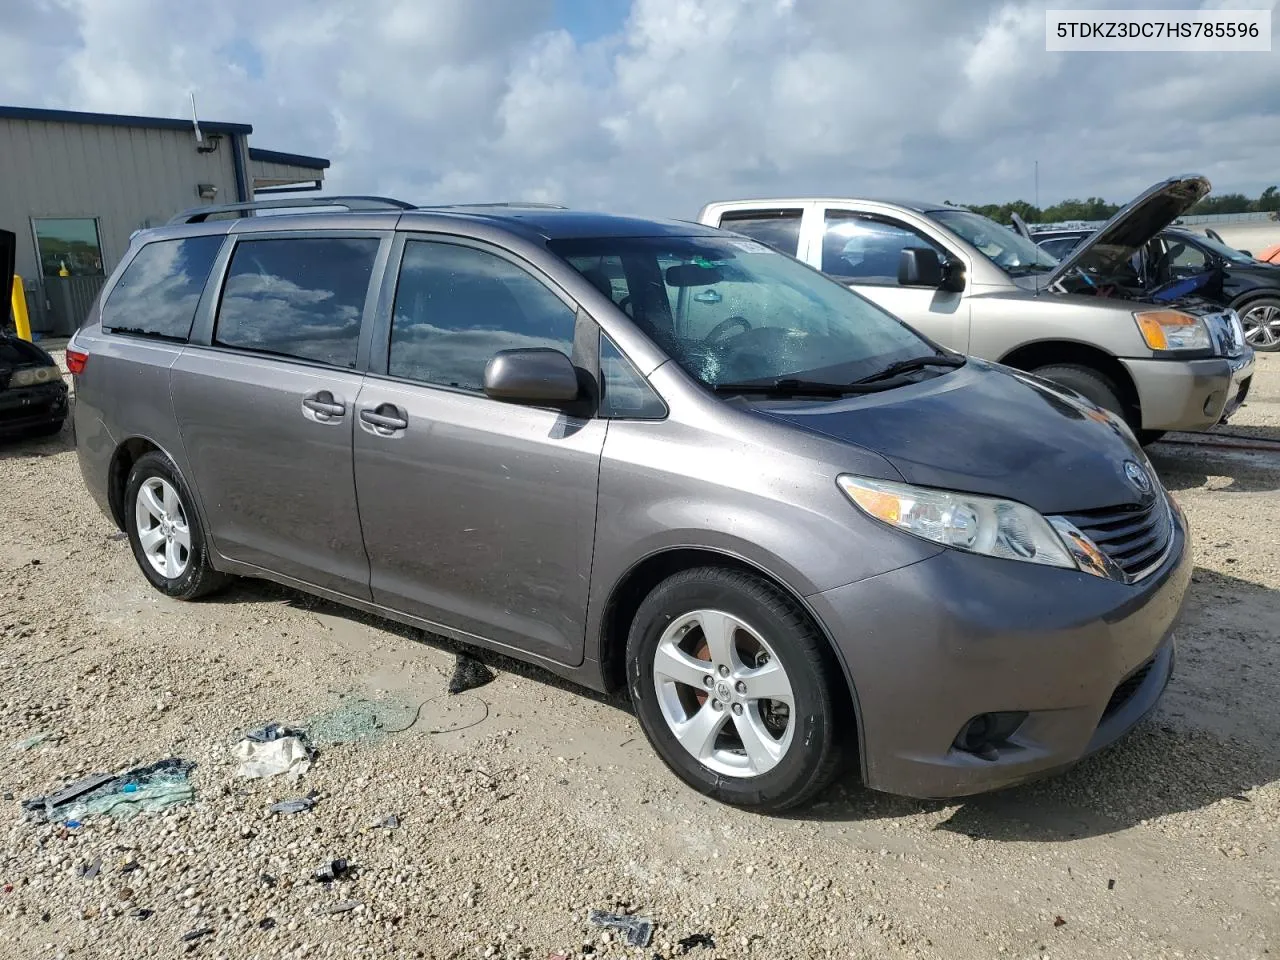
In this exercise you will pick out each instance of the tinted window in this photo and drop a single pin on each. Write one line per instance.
(780, 229)
(457, 306)
(855, 247)
(299, 297)
(624, 393)
(158, 292)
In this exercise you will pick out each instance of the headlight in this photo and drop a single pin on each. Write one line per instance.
(997, 528)
(30, 376)
(1172, 330)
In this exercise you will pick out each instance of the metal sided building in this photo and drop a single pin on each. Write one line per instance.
(75, 186)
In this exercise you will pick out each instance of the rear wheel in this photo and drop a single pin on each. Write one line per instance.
(735, 688)
(1261, 321)
(164, 531)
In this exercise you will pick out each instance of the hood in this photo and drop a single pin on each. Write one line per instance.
(987, 429)
(1124, 234)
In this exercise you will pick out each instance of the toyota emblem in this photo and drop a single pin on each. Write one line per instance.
(1137, 476)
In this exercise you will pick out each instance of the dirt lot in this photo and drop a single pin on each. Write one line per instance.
(544, 802)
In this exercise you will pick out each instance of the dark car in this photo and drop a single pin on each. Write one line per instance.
(650, 456)
(1230, 277)
(33, 395)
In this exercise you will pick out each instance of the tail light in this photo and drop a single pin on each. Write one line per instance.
(76, 360)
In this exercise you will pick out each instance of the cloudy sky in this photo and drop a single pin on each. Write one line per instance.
(660, 105)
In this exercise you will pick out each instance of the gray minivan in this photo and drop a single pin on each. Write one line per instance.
(978, 287)
(802, 536)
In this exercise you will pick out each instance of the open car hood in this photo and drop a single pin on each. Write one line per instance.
(1128, 231)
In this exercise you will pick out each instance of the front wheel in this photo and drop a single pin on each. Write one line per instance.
(1261, 321)
(164, 531)
(736, 689)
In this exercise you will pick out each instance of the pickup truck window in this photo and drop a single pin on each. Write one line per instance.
(779, 229)
(867, 249)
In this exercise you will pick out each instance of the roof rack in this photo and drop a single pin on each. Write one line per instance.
(201, 214)
(529, 204)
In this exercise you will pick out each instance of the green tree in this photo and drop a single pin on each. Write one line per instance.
(1270, 200)
(1223, 203)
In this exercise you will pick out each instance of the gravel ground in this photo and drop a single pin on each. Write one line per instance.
(542, 802)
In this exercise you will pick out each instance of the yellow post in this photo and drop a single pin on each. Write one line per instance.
(20, 310)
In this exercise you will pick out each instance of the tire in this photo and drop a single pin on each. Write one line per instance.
(795, 753)
(1263, 314)
(1087, 382)
(181, 568)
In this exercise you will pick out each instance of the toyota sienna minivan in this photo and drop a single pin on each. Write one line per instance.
(648, 456)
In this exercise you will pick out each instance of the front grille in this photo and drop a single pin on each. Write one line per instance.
(1128, 687)
(1133, 537)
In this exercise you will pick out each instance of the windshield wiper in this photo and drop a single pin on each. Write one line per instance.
(786, 387)
(915, 363)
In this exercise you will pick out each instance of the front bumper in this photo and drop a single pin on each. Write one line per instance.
(28, 407)
(1190, 394)
(935, 644)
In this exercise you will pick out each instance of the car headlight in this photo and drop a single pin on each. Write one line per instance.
(1172, 330)
(997, 528)
(30, 376)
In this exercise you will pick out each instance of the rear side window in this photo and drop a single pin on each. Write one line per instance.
(300, 297)
(779, 229)
(457, 306)
(159, 291)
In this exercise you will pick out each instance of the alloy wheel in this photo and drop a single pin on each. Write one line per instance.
(724, 693)
(1262, 325)
(162, 528)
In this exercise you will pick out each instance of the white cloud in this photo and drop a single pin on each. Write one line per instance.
(689, 100)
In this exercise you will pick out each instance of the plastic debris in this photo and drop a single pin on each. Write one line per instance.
(637, 931)
(36, 739)
(696, 940)
(344, 906)
(91, 871)
(469, 673)
(72, 824)
(331, 871)
(143, 912)
(300, 805)
(197, 934)
(272, 751)
(266, 923)
(46, 806)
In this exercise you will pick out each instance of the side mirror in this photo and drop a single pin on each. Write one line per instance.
(919, 267)
(539, 376)
(1247, 253)
(953, 280)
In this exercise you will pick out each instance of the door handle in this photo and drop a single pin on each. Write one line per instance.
(324, 406)
(385, 417)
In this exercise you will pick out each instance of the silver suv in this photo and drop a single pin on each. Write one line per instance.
(644, 455)
(980, 288)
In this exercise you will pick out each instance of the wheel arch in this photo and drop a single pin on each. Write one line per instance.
(640, 579)
(126, 454)
(1043, 353)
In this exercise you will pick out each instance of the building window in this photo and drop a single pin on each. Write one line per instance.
(68, 247)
